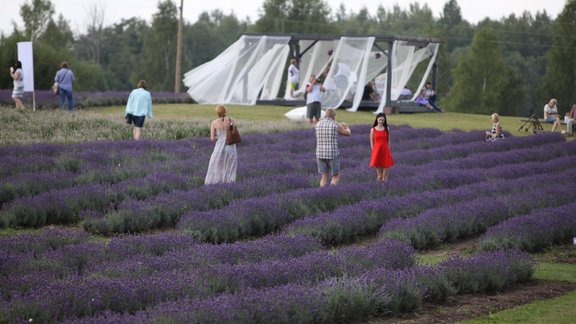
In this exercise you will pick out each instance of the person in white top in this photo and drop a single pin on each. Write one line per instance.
(551, 115)
(18, 92)
(313, 97)
(293, 76)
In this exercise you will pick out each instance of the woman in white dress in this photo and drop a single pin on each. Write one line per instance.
(224, 159)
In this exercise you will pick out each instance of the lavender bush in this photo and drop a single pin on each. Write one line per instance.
(349, 299)
(280, 255)
(535, 231)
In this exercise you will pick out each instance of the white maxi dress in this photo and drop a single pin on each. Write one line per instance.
(223, 162)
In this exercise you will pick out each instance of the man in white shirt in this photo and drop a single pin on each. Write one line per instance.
(313, 105)
(293, 76)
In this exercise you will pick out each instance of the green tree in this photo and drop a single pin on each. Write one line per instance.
(157, 63)
(451, 14)
(36, 16)
(294, 16)
(560, 78)
(483, 82)
(209, 36)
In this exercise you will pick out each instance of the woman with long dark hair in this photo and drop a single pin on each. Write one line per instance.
(18, 92)
(381, 158)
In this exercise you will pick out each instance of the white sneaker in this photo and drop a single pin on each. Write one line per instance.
(563, 132)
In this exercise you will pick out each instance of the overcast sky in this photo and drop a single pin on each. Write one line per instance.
(76, 11)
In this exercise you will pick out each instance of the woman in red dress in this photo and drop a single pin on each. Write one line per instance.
(381, 158)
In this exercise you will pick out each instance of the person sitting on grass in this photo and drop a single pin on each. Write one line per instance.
(496, 132)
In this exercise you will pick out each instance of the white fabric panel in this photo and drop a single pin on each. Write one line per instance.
(202, 80)
(362, 80)
(433, 48)
(26, 57)
(313, 61)
(232, 77)
(272, 80)
(404, 61)
(300, 114)
(342, 80)
(254, 66)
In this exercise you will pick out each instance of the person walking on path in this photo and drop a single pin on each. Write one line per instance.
(139, 106)
(327, 153)
(65, 78)
(224, 158)
(18, 92)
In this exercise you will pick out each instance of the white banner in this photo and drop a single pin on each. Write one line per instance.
(26, 57)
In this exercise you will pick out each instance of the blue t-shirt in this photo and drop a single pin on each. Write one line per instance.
(139, 103)
(65, 78)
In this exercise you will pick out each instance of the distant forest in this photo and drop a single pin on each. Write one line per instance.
(512, 66)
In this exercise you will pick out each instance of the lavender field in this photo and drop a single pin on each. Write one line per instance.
(126, 232)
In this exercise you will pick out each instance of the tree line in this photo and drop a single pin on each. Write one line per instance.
(512, 65)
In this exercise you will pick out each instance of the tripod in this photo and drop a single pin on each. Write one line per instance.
(533, 122)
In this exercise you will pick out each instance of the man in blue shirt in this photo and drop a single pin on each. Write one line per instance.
(138, 107)
(65, 77)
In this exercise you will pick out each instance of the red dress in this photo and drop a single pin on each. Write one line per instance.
(381, 156)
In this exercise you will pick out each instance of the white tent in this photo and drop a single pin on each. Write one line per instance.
(254, 68)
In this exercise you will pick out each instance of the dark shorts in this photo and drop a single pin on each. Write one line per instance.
(329, 166)
(313, 110)
(138, 121)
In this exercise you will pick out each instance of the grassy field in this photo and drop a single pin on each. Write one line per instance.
(177, 121)
(444, 121)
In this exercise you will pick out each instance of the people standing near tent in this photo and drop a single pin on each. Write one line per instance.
(18, 92)
(224, 158)
(139, 106)
(327, 153)
(406, 93)
(313, 97)
(293, 76)
(381, 158)
(65, 78)
(427, 97)
(370, 93)
(551, 114)
(496, 132)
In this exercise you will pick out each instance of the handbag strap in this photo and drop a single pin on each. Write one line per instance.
(63, 76)
(229, 121)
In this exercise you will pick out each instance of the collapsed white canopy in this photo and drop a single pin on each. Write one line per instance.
(254, 67)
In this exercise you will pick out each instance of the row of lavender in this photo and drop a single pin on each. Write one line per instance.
(371, 279)
(46, 99)
(173, 168)
(344, 300)
(28, 171)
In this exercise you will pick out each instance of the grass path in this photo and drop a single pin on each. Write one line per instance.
(549, 298)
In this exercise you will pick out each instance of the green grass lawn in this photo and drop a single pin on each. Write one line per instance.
(444, 121)
(556, 310)
(178, 121)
